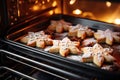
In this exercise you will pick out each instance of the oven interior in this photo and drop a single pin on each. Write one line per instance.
(17, 13)
(22, 16)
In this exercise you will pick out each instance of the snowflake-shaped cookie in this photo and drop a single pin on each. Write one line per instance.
(107, 36)
(97, 54)
(38, 39)
(65, 46)
(80, 31)
(59, 26)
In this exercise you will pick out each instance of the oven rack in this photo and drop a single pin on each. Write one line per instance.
(28, 71)
(53, 71)
(11, 74)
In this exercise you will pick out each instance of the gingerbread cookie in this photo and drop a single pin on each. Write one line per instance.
(38, 39)
(65, 46)
(59, 26)
(107, 36)
(97, 54)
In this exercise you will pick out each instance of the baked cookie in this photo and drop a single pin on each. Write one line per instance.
(88, 54)
(89, 42)
(43, 41)
(107, 36)
(73, 30)
(84, 31)
(97, 54)
(80, 31)
(65, 46)
(59, 26)
(55, 48)
(38, 39)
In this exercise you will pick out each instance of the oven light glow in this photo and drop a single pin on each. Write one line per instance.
(43, 2)
(117, 21)
(54, 3)
(77, 11)
(35, 8)
(48, 0)
(51, 12)
(108, 4)
(89, 15)
(36, 1)
(43, 7)
(72, 2)
(18, 13)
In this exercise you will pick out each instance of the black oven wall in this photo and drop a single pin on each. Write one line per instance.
(3, 17)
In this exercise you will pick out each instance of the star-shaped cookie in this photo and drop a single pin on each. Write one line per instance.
(107, 36)
(80, 31)
(38, 39)
(65, 46)
(59, 26)
(97, 54)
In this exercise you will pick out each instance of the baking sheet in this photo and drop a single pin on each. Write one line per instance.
(38, 26)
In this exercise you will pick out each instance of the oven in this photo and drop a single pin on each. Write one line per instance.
(19, 18)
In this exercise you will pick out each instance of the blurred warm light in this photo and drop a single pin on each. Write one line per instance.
(15, 19)
(72, 2)
(20, 2)
(117, 21)
(88, 15)
(51, 12)
(54, 3)
(77, 11)
(108, 4)
(36, 1)
(18, 13)
(57, 10)
(43, 7)
(109, 21)
(43, 2)
(48, 0)
(35, 8)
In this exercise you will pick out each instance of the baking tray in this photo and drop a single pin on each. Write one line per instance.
(13, 39)
(44, 23)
